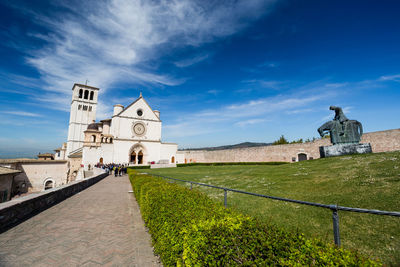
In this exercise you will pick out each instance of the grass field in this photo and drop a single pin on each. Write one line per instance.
(364, 181)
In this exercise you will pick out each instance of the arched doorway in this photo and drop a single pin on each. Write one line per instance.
(173, 159)
(137, 154)
(48, 184)
(140, 157)
(133, 157)
(301, 156)
(101, 160)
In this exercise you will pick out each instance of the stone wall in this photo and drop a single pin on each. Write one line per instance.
(380, 141)
(75, 169)
(18, 210)
(38, 172)
(34, 173)
(383, 141)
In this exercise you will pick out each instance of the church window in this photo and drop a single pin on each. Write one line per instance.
(91, 95)
(139, 112)
(93, 138)
(86, 94)
(90, 108)
(111, 140)
(85, 107)
(80, 93)
(79, 107)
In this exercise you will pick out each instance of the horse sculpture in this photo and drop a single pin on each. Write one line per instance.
(341, 129)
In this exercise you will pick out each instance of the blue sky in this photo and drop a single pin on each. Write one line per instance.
(220, 72)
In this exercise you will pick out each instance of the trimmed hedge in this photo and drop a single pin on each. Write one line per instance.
(139, 167)
(189, 229)
(230, 163)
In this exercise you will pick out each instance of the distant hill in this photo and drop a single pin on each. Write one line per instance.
(241, 145)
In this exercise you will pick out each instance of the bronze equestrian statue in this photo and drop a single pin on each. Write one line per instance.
(341, 129)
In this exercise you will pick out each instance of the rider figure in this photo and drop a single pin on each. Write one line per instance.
(340, 117)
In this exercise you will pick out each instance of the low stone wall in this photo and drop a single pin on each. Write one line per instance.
(166, 165)
(20, 209)
(381, 141)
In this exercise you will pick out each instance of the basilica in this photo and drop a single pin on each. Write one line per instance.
(131, 136)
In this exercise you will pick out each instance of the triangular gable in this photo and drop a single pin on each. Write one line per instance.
(140, 103)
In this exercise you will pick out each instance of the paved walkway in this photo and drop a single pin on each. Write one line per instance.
(101, 225)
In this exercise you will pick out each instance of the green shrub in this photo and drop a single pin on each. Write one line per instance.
(230, 163)
(139, 167)
(189, 229)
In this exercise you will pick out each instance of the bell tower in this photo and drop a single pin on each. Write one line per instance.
(83, 112)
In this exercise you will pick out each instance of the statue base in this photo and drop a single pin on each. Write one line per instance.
(344, 149)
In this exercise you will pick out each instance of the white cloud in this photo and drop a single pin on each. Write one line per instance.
(272, 104)
(22, 113)
(263, 84)
(187, 128)
(222, 118)
(109, 42)
(190, 61)
(249, 122)
(268, 64)
(214, 92)
(395, 78)
(298, 111)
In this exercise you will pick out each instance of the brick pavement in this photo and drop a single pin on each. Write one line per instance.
(100, 226)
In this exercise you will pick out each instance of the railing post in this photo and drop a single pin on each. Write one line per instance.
(335, 218)
(225, 198)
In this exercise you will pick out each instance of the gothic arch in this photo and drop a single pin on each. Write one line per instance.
(137, 154)
(86, 94)
(80, 93)
(91, 95)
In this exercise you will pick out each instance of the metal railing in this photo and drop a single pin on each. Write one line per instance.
(334, 208)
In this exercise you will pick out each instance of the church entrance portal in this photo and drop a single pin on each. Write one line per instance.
(137, 154)
(140, 157)
(101, 160)
(133, 157)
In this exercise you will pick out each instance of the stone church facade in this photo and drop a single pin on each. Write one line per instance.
(131, 136)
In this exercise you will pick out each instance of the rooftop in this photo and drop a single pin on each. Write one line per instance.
(9, 161)
(4, 170)
(46, 155)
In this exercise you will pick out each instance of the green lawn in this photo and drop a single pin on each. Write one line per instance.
(364, 181)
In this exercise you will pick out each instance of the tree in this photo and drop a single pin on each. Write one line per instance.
(300, 141)
(281, 141)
